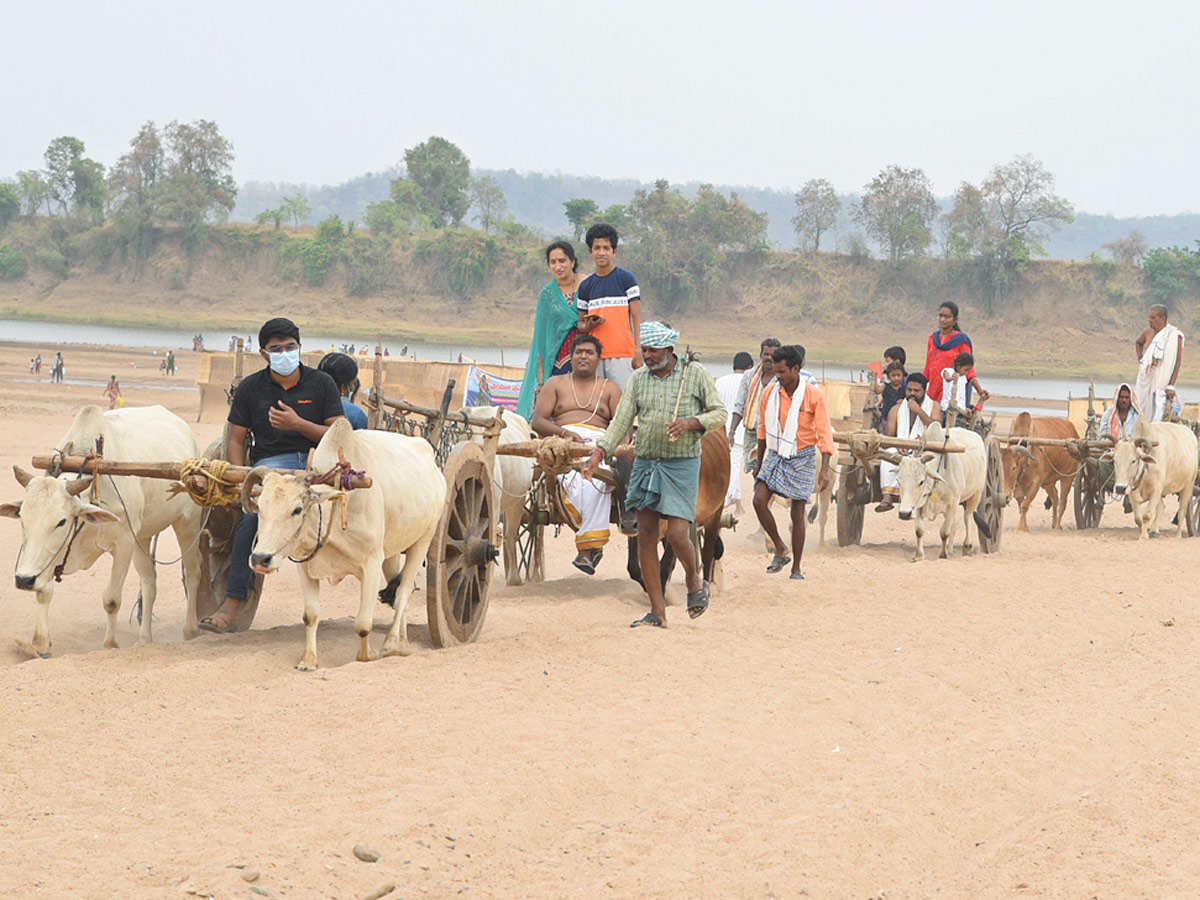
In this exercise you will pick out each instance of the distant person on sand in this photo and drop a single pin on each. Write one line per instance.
(1160, 353)
(170, 362)
(676, 403)
(287, 407)
(57, 368)
(728, 386)
(610, 307)
(37, 364)
(112, 391)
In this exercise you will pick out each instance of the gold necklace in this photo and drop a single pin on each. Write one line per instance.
(575, 393)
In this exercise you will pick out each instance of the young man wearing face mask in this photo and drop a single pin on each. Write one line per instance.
(287, 407)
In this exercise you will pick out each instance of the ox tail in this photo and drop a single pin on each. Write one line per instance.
(388, 594)
(982, 525)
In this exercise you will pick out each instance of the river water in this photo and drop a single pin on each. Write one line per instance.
(55, 335)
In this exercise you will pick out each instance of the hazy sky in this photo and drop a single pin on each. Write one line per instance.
(747, 92)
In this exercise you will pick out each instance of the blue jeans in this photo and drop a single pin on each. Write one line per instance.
(237, 585)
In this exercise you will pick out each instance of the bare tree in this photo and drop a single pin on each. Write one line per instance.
(1128, 250)
(817, 211)
(488, 198)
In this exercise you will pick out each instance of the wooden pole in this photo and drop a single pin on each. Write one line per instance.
(439, 416)
(893, 443)
(166, 470)
(375, 416)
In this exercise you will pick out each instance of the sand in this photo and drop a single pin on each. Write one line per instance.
(1021, 724)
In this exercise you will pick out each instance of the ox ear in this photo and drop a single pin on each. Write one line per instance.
(1148, 459)
(94, 515)
(326, 496)
(10, 510)
(936, 476)
(928, 456)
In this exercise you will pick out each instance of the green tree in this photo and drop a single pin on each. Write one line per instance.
(488, 198)
(88, 190)
(135, 192)
(579, 213)
(31, 185)
(1172, 272)
(966, 224)
(61, 157)
(297, 208)
(12, 262)
(10, 205)
(897, 209)
(442, 175)
(817, 211)
(403, 211)
(274, 216)
(199, 186)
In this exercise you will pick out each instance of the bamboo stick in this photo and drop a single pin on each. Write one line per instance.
(429, 412)
(168, 470)
(892, 443)
(1029, 440)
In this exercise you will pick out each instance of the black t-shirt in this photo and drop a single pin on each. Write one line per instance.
(314, 397)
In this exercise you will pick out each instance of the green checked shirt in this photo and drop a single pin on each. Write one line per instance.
(651, 400)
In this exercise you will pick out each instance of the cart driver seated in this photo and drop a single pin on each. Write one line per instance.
(907, 419)
(578, 406)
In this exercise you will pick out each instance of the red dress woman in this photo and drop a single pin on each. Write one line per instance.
(945, 344)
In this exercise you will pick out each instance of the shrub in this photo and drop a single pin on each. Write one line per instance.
(12, 262)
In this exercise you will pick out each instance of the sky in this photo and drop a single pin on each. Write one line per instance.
(769, 94)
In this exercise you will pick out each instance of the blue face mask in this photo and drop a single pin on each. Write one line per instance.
(285, 363)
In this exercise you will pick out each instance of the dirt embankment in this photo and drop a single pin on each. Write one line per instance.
(1073, 317)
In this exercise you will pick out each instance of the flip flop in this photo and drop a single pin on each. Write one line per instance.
(777, 563)
(697, 602)
(207, 624)
(649, 619)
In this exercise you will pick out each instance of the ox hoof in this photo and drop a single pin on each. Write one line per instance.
(403, 650)
(43, 654)
(367, 656)
(968, 550)
(306, 665)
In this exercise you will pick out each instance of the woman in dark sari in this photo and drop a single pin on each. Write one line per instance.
(554, 325)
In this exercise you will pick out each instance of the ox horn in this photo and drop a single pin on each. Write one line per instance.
(1023, 450)
(23, 477)
(253, 478)
(893, 458)
(78, 486)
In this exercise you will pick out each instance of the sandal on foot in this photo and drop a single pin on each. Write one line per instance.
(697, 602)
(584, 563)
(209, 623)
(797, 576)
(649, 619)
(777, 563)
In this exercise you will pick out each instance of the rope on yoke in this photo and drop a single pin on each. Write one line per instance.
(554, 455)
(217, 489)
(341, 476)
(865, 445)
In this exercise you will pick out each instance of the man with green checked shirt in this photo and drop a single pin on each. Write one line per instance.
(675, 404)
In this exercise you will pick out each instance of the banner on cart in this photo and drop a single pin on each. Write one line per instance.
(485, 389)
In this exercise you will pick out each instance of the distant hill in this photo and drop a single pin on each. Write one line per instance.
(536, 199)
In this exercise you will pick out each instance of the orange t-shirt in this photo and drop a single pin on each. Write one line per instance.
(812, 421)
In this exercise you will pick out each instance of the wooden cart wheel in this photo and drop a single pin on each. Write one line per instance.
(1193, 519)
(991, 507)
(459, 571)
(854, 492)
(1088, 494)
(531, 534)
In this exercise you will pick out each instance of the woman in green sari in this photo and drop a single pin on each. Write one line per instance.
(554, 324)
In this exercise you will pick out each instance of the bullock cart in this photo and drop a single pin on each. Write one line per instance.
(858, 483)
(458, 563)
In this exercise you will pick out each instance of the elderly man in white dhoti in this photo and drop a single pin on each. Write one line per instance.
(907, 419)
(578, 406)
(1159, 352)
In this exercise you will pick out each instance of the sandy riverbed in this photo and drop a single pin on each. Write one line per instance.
(1023, 724)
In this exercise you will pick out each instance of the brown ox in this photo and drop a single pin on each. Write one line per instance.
(1030, 469)
(710, 503)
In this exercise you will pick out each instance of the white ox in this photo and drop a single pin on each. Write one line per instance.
(937, 483)
(394, 519)
(511, 480)
(60, 526)
(1159, 460)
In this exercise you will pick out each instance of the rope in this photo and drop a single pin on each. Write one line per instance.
(217, 489)
(553, 454)
(865, 445)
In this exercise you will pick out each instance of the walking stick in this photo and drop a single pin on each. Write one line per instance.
(688, 356)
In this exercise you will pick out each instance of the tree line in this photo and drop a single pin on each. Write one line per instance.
(684, 247)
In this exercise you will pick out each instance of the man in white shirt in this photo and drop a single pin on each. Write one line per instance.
(728, 387)
(1159, 351)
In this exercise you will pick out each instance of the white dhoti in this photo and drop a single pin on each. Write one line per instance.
(1154, 372)
(907, 426)
(734, 494)
(588, 504)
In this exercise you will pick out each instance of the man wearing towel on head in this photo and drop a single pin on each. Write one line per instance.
(907, 419)
(1159, 351)
(675, 404)
(793, 426)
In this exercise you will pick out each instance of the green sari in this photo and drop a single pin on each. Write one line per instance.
(554, 319)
